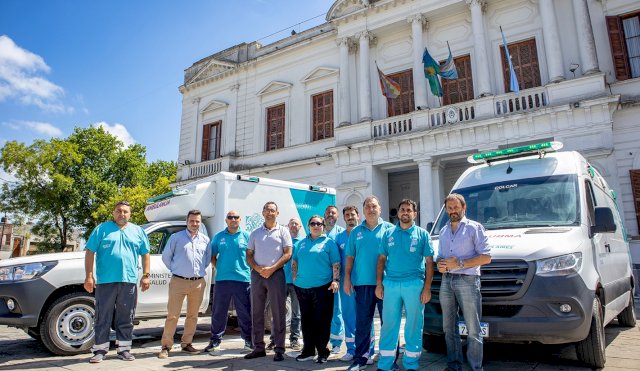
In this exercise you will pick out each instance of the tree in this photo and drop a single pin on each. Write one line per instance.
(64, 183)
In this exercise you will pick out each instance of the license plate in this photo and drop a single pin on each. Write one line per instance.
(484, 329)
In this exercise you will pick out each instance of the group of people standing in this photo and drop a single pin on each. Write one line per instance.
(333, 279)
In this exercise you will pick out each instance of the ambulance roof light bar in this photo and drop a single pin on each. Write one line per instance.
(175, 192)
(248, 178)
(503, 154)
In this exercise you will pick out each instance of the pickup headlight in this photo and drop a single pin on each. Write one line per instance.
(24, 272)
(560, 265)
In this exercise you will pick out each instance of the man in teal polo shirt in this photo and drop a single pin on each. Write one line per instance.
(233, 277)
(360, 275)
(405, 255)
(116, 246)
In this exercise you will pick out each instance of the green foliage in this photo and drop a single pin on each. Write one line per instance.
(73, 184)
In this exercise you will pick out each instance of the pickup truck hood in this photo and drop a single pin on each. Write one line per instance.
(531, 244)
(42, 258)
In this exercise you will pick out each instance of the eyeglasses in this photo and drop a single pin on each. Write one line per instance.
(233, 217)
(316, 224)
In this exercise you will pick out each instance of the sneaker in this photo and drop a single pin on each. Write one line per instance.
(335, 349)
(278, 357)
(348, 357)
(98, 356)
(356, 367)
(321, 360)
(305, 357)
(164, 353)
(248, 345)
(126, 355)
(370, 361)
(271, 346)
(294, 344)
(213, 345)
(190, 349)
(255, 354)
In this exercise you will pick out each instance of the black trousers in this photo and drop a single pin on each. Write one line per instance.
(275, 289)
(316, 311)
(115, 304)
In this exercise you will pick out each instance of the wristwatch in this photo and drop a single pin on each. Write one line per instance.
(146, 275)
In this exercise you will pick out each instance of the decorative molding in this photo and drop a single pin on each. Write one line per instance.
(273, 87)
(214, 105)
(213, 68)
(234, 87)
(342, 8)
(319, 73)
(481, 3)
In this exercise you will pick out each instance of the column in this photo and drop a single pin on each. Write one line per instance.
(364, 94)
(419, 81)
(426, 192)
(345, 107)
(436, 171)
(552, 47)
(586, 42)
(480, 47)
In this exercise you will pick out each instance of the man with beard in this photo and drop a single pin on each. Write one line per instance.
(405, 256)
(337, 329)
(116, 247)
(463, 248)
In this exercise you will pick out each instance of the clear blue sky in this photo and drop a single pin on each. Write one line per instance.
(68, 63)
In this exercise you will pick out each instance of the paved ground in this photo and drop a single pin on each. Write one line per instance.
(19, 352)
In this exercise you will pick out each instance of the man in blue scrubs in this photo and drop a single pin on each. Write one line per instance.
(360, 276)
(116, 247)
(405, 255)
(233, 280)
(332, 230)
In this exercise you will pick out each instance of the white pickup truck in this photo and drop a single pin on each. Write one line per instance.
(43, 294)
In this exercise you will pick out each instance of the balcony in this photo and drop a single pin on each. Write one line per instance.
(202, 169)
(484, 108)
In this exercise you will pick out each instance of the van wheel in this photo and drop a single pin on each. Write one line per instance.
(591, 350)
(67, 327)
(627, 317)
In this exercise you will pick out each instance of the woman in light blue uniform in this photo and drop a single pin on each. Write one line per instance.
(315, 270)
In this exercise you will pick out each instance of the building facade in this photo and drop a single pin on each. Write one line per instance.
(309, 107)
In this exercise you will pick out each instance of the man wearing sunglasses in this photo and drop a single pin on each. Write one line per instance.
(233, 277)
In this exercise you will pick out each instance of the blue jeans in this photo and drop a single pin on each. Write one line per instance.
(223, 293)
(457, 292)
(366, 302)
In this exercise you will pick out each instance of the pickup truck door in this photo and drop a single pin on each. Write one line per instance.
(154, 301)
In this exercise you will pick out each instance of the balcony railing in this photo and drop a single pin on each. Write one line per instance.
(464, 111)
(527, 100)
(391, 126)
(203, 169)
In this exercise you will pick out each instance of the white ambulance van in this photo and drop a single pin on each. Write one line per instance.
(561, 268)
(43, 294)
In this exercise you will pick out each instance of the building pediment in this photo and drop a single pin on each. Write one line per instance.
(211, 69)
(319, 73)
(273, 87)
(214, 105)
(343, 8)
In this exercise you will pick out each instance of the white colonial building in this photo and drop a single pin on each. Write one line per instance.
(309, 107)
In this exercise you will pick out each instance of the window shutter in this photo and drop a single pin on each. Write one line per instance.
(618, 48)
(460, 89)
(205, 142)
(405, 102)
(635, 189)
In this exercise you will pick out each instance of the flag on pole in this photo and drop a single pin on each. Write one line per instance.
(431, 71)
(513, 79)
(448, 69)
(390, 88)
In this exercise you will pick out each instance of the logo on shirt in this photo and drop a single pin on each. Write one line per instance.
(342, 246)
(359, 236)
(223, 241)
(414, 243)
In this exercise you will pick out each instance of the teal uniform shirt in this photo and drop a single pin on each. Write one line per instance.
(231, 252)
(117, 251)
(315, 259)
(287, 266)
(405, 251)
(364, 244)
